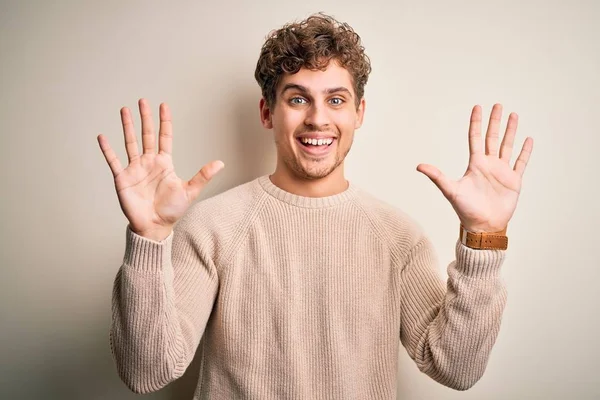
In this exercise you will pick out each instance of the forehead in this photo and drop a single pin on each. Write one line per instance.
(317, 81)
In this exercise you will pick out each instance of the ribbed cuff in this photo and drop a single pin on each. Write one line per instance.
(145, 254)
(480, 264)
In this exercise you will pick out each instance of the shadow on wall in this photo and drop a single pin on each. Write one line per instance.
(247, 148)
(68, 366)
(255, 151)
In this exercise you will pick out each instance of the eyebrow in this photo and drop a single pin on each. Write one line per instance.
(303, 89)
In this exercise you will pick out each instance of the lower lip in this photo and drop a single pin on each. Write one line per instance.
(317, 150)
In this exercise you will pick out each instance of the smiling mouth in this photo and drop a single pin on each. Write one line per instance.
(319, 148)
(316, 143)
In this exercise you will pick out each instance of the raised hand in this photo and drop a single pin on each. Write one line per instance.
(485, 198)
(151, 195)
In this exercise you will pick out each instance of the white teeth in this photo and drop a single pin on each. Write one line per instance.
(317, 142)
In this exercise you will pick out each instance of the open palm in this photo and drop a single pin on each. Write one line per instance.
(485, 198)
(151, 195)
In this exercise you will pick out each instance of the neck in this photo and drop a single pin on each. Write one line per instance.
(330, 185)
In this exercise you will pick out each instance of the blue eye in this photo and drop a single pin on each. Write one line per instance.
(293, 100)
(336, 101)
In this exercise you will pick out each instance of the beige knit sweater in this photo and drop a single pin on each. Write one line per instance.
(300, 298)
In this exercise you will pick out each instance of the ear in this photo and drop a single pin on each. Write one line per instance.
(265, 114)
(360, 113)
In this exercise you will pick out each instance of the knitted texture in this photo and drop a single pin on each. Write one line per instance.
(291, 297)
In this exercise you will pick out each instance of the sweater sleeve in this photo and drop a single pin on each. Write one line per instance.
(449, 333)
(162, 297)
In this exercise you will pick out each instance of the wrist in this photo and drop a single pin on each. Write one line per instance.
(157, 234)
(483, 228)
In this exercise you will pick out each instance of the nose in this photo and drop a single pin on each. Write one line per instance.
(317, 117)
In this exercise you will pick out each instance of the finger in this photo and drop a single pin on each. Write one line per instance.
(523, 158)
(165, 136)
(475, 131)
(129, 133)
(438, 178)
(197, 183)
(509, 137)
(491, 136)
(148, 141)
(110, 156)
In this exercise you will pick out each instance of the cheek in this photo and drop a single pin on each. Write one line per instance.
(282, 132)
(286, 124)
(346, 123)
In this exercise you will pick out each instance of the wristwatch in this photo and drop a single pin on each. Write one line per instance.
(484, 240)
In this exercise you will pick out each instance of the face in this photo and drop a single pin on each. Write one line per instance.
(313, 120)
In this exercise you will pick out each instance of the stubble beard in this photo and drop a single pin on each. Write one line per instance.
(314, 172)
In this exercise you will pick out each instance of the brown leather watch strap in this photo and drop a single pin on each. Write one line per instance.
(484, 240)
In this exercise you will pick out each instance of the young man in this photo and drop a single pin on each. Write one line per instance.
(299, 284)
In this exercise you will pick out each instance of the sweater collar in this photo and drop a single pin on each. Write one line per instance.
(303, 201)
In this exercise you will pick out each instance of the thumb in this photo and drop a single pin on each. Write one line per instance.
(206, 173)
(438, 178)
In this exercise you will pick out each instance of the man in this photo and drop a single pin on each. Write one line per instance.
(299, 284)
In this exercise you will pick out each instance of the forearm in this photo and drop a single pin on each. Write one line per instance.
(452, 341)
(152, 340)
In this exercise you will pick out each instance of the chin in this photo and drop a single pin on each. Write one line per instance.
(315, 175)
(315, 172)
